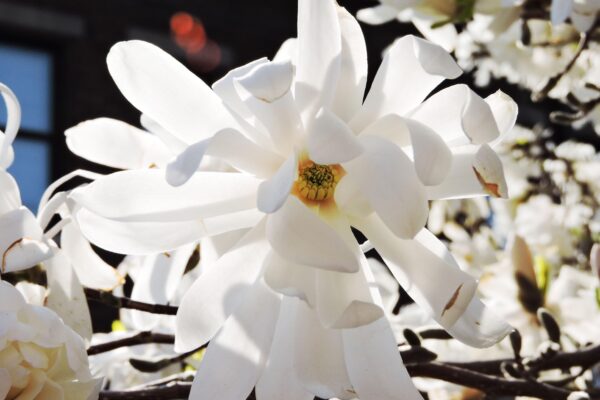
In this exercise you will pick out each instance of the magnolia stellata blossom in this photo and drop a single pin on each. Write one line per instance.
(292, 303)
(433, 18)
(22, 241)
(40, 357)
(582, 13)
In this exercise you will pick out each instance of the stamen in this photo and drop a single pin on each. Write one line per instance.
(317, 182)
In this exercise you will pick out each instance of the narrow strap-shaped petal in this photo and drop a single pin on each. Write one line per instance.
(458, 112)
(13, 121)
(374, 363)
(10, 197)
(116, 144)
(560, 11)
(479, 326)
(353, 72)
(330, 140)
(377, 15)
(137, 238)
(218, 292)
(318, 356)
(144, 195)
(388, 179)
(278, 380)
(300, 235)
(273, 192)
(319, 54)
(66, 296)
(291, 279)
(91, 270)
(425, 269)
(236, 357)
(411, 68)
(431, 154)
(161, 87)
(475, 171)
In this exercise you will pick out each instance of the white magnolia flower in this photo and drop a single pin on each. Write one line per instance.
(311, 161)
(40, 357)
(433, 18)
(22, 241)
(583, 13)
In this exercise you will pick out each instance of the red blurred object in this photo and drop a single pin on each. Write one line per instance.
(189, 34)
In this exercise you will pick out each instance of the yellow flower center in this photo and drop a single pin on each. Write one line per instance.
(316, 182)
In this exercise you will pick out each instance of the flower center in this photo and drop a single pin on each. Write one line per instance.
(317, 182)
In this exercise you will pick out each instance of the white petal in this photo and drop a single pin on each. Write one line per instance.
(388, 180)
(445, 35)
(268, 81)
(266, 92)
(475, 171)
(91, 270)
(34, 294)
(157, 284)
(290, 279)
(505, 111)
(391, 127)
(431, 154)
(353, 73)
(288, 51)
(137, 238)
(174, 144)
(302, 237)
(158, 85)
(11, 300)
(225, 88)
(144, 195)
(319, 357)
(13, 120)
(6, 383)
(380, 14)
(278, 380)
(319, 54)
(374, 363)
(350, 198)
(425, 269)
(344, 300)
(560, 11)
(116, 144)
(457, 112)
(218, 292)
(22, 244)
(479, 327)
(273, 193)
(10, 198)
(236, 357)
(583, 22)
(330, 141)
(65, 295)
(410, 70)
(228, 145)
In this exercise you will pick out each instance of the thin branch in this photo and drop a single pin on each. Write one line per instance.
(111, 300)
(584, 41)
(140, 338)
(488, 384)
(154, 366)
(172, 391)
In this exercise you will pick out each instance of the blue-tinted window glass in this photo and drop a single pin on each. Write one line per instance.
(31, 169)
(29, 74)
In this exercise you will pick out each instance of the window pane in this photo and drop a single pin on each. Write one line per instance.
(29, 74)
(31, 169)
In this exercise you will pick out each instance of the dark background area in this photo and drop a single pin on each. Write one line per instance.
(76, 35)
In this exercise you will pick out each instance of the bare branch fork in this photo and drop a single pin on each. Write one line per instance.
(111, 300)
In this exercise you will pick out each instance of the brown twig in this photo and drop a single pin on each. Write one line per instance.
(154, 366)
(140, 338)
(111, 300)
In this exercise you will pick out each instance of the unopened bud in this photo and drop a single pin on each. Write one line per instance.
(549, 324)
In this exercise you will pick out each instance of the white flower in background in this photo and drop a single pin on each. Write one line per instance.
(433, 18)
(312, 160)
(40, 357)
(583, 13)
(22, 241)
